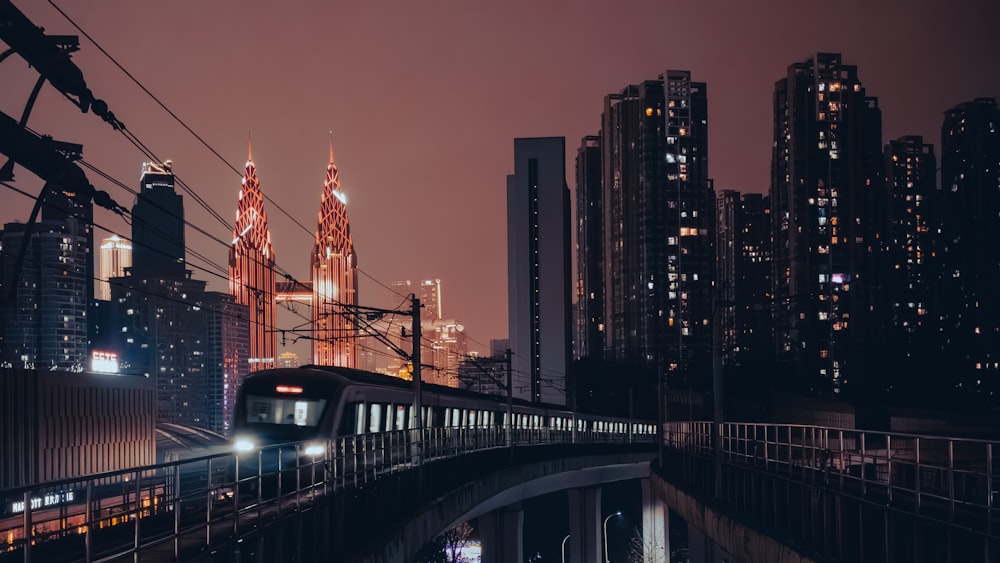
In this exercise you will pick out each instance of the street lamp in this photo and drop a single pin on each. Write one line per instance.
(610, 516)
(564, 548)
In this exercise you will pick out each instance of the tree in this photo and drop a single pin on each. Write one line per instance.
(447, 547)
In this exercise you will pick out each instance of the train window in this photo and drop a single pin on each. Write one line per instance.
(447, 417)
(455, 414)
(274, 410)
(472, 418)
(375, 418)
(359, 418)
(400, 417)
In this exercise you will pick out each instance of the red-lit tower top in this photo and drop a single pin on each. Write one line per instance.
(334, 278)
(251, 269)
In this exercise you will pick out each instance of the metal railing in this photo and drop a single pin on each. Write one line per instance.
(949, 476)
(197, 503)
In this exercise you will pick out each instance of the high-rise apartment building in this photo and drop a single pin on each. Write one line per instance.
(116, 255)
(46, 281)
(538, 269)
(826, 170)
(743, 277)
(658, 228)
(334, 279)
(227, 341)
(588, 340)
(908, 267)
(251, 269)
(968, 304)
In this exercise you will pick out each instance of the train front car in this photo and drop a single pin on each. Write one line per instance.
(282, 406)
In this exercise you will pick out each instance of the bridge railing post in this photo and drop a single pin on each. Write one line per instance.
(138, 512)
(919, 471)
(208, 503)
(989, 486)
(951, 476)
(864, 464)
(888, 466)
(27, 532)
(177, 510)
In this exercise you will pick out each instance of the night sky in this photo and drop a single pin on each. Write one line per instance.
(424, 100)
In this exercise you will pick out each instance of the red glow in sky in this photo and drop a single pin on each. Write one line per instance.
(424, 100)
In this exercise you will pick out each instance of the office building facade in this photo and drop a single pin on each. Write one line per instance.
(538, 269)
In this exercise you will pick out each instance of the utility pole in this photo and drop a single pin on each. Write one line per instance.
(417, 390)
(510, 402)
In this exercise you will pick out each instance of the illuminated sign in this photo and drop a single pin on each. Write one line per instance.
(103, 362)
(295, 390)
(50, 499)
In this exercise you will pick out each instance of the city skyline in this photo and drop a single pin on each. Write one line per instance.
(419, 165)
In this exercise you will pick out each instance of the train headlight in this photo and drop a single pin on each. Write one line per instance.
(244, 445)
(315, 449)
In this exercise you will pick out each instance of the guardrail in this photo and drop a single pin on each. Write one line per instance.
(198, 503)
(922, 473)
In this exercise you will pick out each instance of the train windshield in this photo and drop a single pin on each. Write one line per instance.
(278, 410)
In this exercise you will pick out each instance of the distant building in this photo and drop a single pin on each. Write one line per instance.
(588, 340)
(227, 350)
(47, 285)
(743, 277)
(116, 256)
(826, 168)
(158, 225)
(334, 279)
(448, 346)
(192, 343)
(538, 269)
(251, 269)
(909, 269)
(658, 221)
(288, 360)
(968, 253)
(430, 300)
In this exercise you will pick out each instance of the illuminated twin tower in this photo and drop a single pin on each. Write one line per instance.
(331, 292)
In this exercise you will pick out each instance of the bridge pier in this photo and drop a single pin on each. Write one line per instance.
(585, 542)
(502, 534)
(655, 526)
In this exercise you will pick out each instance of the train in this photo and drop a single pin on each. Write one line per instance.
(315, 404)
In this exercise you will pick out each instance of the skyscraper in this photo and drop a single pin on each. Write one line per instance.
(116, 255)
(538, 269)
(158, 225)
(743, 277)
(658, 228)
(251, 269)
(968, 253)
(227, 342)
(334, 278)
(588, 338)
(169, 328)
(910, 182)
(430, 299)
(47, 284)
(825, 172)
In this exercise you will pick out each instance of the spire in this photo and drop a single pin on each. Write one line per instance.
(331, 147)
(249, 148)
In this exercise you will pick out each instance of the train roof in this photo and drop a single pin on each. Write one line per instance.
(344, 375)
